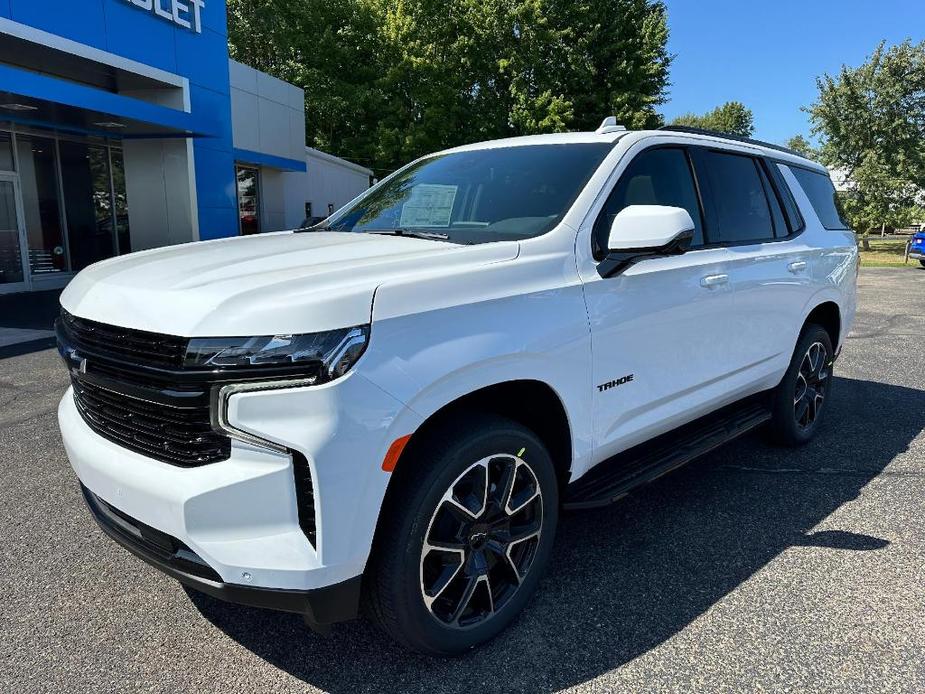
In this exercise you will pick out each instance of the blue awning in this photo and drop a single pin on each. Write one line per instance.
(246, 156)
(74, 107)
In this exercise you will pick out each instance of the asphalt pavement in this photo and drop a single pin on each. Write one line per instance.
(753, 569)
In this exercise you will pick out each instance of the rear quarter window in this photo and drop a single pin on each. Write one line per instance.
(821, 193)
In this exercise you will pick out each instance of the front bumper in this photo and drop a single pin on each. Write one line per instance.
(240, 516)
(327, 605)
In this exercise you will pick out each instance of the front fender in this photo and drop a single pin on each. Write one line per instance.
(430, 359)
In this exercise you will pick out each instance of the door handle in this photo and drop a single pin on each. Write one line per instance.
(714, 280)
(797, 266)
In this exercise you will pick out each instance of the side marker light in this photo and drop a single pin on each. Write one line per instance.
(394, 453)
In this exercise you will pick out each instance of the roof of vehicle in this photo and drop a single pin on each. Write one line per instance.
(612, 136)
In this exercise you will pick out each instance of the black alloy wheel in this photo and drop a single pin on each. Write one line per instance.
(481, 540)
(465, 534)
(799, 401)
(811, 385)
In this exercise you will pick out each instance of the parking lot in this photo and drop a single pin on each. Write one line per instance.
(753, 569)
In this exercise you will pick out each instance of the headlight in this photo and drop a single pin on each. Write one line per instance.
(334, 351)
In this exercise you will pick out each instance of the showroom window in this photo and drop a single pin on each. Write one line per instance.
(65, 204)
(38, 179)
(248, 200)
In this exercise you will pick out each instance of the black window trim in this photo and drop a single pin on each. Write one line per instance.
(782, 189)
(772, 198)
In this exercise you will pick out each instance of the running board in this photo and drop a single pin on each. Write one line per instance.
(616, 477)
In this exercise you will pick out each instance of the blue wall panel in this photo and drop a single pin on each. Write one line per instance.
(204, 58)
(79, 21)
(215, 17)
(217, 222)
(216, 108)
(218, 167)
(139, 35)
(119, 27)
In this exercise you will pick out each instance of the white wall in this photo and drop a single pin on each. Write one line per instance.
(278, 210)
(328, 179)
(331, 180)
(159, 182)
(267, 114)
(268, 117)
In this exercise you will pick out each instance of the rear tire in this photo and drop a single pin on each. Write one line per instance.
(922, 261)
(465, 535)
(799, 401)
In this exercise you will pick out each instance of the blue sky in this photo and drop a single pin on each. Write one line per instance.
(767, 54)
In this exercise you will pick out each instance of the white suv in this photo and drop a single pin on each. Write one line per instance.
(396, 405)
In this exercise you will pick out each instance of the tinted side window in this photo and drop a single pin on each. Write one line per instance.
(655, 177)
(740, 211)
(821, 193)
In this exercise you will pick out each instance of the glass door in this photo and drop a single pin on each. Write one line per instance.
(12, 259)
(248, 200)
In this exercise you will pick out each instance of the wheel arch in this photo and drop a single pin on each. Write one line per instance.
(546, 416)
(827, 315)
(532, 403)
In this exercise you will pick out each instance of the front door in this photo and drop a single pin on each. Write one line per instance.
(661, 330)
(13, 256)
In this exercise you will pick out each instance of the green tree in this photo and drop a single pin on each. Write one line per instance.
(733, 117)
(801, 145)
(333, 50)
(871, 121)
(387, 80)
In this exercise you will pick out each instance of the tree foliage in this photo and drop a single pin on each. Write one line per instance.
(802, 146)
(389, 80)
(871, 120)
(733, 117)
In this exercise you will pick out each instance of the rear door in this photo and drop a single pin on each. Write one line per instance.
(749, 213)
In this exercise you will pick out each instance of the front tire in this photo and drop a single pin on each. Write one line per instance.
(465, 535)
(922, 261)
(799, 401)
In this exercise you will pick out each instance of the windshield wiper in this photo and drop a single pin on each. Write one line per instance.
(414, 233)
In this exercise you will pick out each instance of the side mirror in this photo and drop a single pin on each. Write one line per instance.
(645, 231)
(649, 226)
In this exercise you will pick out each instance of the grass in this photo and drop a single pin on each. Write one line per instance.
(886, 252)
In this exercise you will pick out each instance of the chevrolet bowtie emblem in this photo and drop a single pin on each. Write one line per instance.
(75, 361)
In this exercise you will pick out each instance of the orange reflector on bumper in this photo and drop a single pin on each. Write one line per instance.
(394, 453)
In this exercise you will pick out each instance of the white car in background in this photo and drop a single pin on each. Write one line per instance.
(397, 406)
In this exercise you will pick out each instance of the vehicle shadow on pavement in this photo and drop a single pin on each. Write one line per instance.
(626, 578)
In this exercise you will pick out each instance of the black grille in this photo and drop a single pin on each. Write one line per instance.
(177, 435)
(124, 344)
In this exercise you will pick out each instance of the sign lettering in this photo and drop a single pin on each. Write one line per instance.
(183, 13)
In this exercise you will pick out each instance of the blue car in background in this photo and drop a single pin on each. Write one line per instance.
(917, 247)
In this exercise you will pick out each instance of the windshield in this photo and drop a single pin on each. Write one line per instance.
(507, 193)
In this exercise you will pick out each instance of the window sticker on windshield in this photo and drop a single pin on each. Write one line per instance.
(429, 205)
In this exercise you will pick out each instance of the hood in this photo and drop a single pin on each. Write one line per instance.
(260, 285)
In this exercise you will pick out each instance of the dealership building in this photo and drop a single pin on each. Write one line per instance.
(125, 126)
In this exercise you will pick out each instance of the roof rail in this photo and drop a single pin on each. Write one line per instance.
(728, 136)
